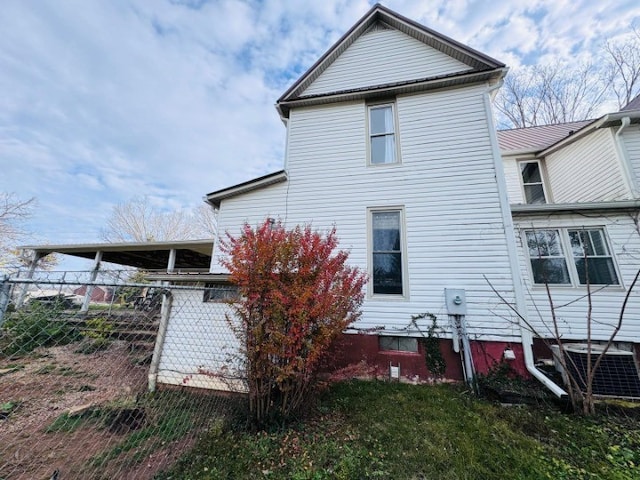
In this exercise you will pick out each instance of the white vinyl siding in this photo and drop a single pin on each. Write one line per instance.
(198, 343)
(571, 302)
(587, 171)
(380, 57)
(512, 178)
(631, 137)
(446, 183)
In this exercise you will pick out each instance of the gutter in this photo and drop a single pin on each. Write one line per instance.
(624, 157)
(549, 208)
(507, 220)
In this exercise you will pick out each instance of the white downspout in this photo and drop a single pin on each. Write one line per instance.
(627, 169)
(518, 289)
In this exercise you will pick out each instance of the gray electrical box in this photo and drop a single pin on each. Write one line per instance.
(456, 301)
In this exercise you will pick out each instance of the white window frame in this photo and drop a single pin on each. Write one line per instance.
(569, 258)
(543, 183)
(403, 253)
(396, 136)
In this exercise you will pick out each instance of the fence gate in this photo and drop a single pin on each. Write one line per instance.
(110, 379)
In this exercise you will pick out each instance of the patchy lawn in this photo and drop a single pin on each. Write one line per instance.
(87, 414)
(396, 431)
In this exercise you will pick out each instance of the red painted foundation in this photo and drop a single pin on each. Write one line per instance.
(361, 352)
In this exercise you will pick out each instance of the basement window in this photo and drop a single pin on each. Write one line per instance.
(217, 293)
(398, 344)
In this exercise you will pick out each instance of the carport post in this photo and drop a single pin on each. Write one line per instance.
(32, 269)
(171, 264)
(92, 278)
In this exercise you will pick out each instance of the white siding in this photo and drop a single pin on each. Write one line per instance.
(587, 171)
(446, 184)
(198, 343)
(512, 177)
(571, 302)
(380, 57)
(631, 138)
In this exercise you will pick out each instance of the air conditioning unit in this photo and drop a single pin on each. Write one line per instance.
(617, 375)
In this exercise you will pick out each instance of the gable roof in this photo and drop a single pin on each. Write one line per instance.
(482, 67)
(632, 105)
(535, 139)
(215, 198)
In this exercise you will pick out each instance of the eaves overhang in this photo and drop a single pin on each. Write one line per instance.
(392, 89)
(216, 198)
(607, 121)
(524, 210)
(189, 254)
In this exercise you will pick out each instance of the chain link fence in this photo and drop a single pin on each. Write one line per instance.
(111, 378)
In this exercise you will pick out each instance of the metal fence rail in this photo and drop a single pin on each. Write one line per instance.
(116, 386)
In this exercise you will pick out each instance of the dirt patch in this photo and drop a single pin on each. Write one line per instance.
(104, 436)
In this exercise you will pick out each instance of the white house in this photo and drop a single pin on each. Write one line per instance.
(390, 138)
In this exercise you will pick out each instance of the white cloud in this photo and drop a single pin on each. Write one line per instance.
(102, 101)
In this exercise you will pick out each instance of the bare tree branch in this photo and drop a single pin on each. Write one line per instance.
(137, 220)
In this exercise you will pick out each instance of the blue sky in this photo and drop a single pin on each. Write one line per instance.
(104, 100)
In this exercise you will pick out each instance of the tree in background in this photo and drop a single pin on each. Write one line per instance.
(297, 295)
(623, 67)
(137, 220)
(562, 92)
(13, 213)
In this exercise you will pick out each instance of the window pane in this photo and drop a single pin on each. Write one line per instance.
(576, 243)
(407, 344)
(544, 243)
(598, 244)
(387, 273)
(388, 343)
(381, 120)
(530, 172)
(601, 271)
(386, 231)
(403, 344)
(534, 194)
(550, 270)
(383, 149)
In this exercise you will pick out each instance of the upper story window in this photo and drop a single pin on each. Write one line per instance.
(387, 256)
(531, 175)
(382, 134)
(591, 259)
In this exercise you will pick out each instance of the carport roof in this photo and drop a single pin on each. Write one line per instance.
(190, 254)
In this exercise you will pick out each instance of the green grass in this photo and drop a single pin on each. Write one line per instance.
(398, 431)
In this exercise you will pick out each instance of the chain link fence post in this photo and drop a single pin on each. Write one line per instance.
(5, 296)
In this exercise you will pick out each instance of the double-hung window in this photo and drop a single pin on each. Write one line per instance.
(531, 175)
(382, 134)
(592, 257)
(571, 256)
(387, 257)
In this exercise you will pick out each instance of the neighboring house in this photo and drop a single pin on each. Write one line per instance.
(573, 188)
(98, 294)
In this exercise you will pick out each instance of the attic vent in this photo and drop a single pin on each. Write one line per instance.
(378, 26)
(617, 375)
